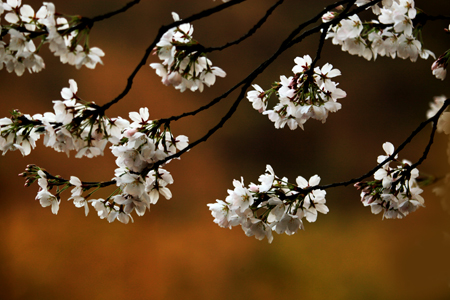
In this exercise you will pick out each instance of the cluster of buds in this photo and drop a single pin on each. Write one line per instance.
(395, 190)
(185, 65)
(273, 205)
(63, 34)
(310, 93)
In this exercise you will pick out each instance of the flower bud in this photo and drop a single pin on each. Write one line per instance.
(327, 17)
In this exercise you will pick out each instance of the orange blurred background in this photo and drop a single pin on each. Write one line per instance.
(176, 251)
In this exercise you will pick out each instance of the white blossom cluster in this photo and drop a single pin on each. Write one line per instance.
(24, 25)
(139, 182)
(68, 128)
(392, 35)
(138, 146)
(307, 94)
(273, 205)
(14, 135)
(143, 145)
(395, 191)
(182, 66)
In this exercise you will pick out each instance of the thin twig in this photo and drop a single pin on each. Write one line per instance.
(116, 12)
(323, 37)
(422, 125)
(84, 22)
(286, 44)
(161, 31)
(250, 32)
(334, 21)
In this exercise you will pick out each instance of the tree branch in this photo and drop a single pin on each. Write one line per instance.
(250, 32)
(161, 32)
(116, 12)
(422, 125)
(286, 44)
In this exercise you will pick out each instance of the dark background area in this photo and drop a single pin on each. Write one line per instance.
(176, 251)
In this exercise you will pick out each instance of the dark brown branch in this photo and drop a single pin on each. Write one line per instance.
(433, 132)
(422, 125)
(161, 32)
(62, 181)
(335, 21)
(116, 12)
(222, 122)
(286, 44)
(84, 22)
(322, 40)
(422, 18)
(250, 32)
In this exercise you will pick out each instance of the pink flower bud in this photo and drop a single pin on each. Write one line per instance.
(173, 78)
(253, 188)
(435, 65)
(130, 132)
(328, 16)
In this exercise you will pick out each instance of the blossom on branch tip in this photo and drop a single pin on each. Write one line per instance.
(18, 133)
(44, 196)
(43, 26)
(310, 93)
(395, 190)
(184, 64)
(274, 205)
(141, 147)
(392, 35)
(258, 98)
(439, 67)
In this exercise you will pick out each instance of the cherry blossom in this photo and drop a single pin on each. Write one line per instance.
(44, 196)
(21, 53)
(307, 94)
(259, 209)
(394, 37)
(395, 191)
(143, 147)
(182, 65)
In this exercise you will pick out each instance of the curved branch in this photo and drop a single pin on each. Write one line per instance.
(335, 21)
(250, 32)
(286, 44)
(84, 22)
(310, 71)
(91, 184)
(423, 17)
(422, 125)
(222, 122)
(161, 32)
(116, 12)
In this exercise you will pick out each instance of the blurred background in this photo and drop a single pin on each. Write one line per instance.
(176, 251)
